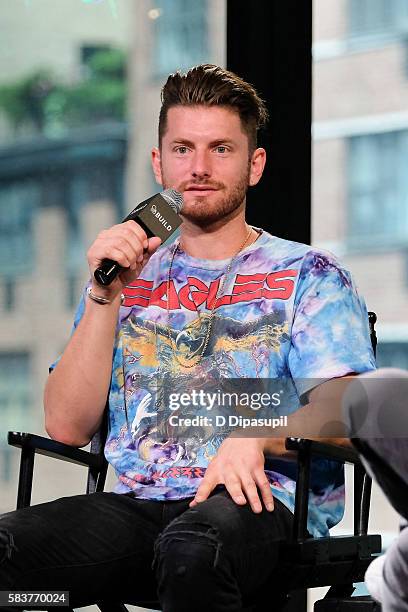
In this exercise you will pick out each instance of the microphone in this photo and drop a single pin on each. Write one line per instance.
(158, 216)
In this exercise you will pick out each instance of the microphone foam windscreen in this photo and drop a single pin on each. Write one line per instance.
(173, 199)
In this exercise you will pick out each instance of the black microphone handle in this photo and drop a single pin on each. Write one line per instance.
(109, 269)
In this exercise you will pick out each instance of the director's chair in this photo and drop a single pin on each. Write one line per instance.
(335, 561)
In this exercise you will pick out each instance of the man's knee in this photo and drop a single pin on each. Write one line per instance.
(188, 554)
(186, 549)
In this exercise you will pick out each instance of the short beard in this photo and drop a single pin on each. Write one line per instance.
(223, 210)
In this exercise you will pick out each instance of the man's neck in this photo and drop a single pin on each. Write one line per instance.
(218, 242)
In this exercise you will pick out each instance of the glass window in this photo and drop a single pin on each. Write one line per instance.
(88, 52)
(15, 401)
(14, 389)
(18, 203)
(378, 190)
(181, 38)
(5, 462)
(368, 17)
(392, 355)
(92, 183)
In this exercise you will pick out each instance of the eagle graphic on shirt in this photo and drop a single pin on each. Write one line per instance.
(169, 354)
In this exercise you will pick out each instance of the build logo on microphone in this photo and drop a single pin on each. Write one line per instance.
(162, 220)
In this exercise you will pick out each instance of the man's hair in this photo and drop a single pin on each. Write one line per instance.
(210, 85)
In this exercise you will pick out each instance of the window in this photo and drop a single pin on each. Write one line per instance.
(15, 401)
(104, 68)
(14, 389)
(392, 355)
(180, 33)
(88, 52)
(373, 17)
(378, 190)
(18, 204)
(90, 184)
(5, 462)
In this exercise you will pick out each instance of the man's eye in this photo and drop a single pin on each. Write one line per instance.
(181, 150)
(222, 149)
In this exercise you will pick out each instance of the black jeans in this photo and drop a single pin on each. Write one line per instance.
(107, 546)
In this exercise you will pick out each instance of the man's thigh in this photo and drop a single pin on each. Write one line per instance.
(85, 544)
(248, 543)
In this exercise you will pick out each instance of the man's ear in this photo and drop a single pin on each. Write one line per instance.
(258, 160)
(156, 165)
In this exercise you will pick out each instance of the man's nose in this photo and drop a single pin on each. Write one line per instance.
(201, 165)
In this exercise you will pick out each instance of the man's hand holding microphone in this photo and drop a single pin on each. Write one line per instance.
(128, 245)
(118, 254)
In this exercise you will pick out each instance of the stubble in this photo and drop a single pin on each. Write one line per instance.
(203, 213)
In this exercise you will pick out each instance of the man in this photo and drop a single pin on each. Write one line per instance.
(226, 301)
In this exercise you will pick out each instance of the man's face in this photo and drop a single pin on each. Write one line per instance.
(204, 155)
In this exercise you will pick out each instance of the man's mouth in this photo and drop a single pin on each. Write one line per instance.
(201, 189)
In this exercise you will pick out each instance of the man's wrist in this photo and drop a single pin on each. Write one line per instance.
(275, 447)
(261, 441)
(104, 296)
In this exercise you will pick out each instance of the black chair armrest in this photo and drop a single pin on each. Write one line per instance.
(362, 483)
(329, 451)
(52, 448)
(32, 444)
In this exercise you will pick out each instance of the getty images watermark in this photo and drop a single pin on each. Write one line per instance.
(216, 400)
(372, 405)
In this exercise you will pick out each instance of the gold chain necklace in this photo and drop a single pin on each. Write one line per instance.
(212, 311)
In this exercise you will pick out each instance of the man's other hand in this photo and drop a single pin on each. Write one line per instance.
(239, 465)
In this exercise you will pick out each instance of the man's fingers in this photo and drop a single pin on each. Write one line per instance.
(265, 489)
(234, 488)
(251, 492)
(135, 228)
(203, 491)
(120, 244)
(119, 255)
(132, 251)
(252, 486)
(125, 238)
(125, 243)
(153, 244)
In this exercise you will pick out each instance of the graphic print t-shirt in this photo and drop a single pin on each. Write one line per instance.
(286, 311)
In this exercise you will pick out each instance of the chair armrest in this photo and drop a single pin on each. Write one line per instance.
(329, 451)
(52, 448)
(362, 483)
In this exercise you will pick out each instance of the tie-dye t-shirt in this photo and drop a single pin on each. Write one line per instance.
(286, 311)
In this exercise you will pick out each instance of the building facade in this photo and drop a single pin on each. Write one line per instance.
(360, 148)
